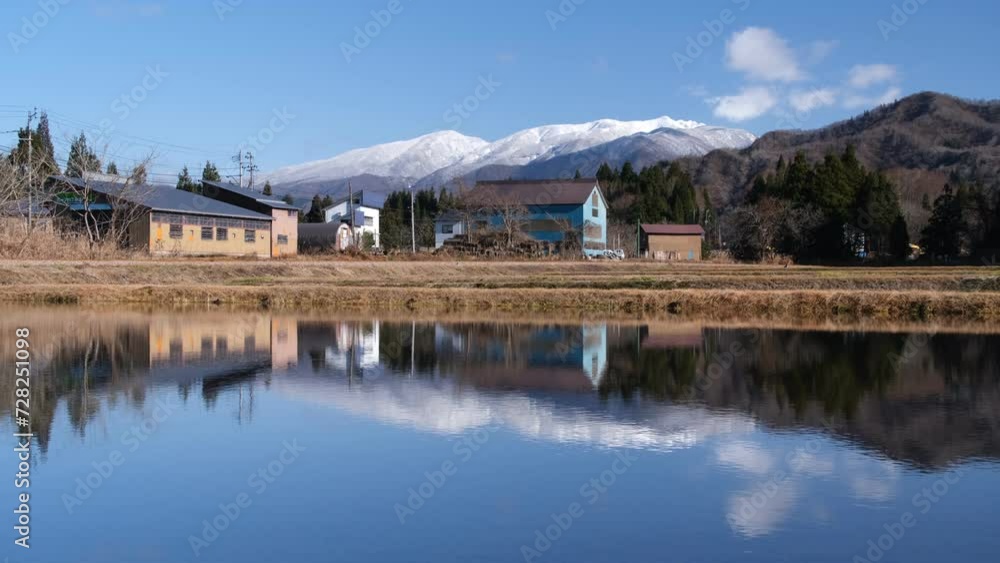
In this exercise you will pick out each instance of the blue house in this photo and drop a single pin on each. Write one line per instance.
(545, 210)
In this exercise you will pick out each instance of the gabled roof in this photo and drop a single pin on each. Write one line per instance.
(533, 192)
(163, 199)
(673, 230)
(270, 201)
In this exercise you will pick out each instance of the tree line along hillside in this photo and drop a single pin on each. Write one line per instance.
(920, 143)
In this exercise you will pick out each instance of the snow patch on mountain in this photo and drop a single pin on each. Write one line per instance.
(414, 158)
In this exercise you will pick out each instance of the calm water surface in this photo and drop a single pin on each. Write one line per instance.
(252, 437)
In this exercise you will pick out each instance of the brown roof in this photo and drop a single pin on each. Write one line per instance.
(532, 192)
(673, 230)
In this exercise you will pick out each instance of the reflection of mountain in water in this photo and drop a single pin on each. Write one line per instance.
(927, 400)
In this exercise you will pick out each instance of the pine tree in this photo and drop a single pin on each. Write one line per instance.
(944, 232)
(577, 176)
(315, 214)
(112, 169)
(185, 183)
(43, 149)
(267, 188)
(210, 173)
(288, 199)
(81, 158)
(899, 240)
(605, 175)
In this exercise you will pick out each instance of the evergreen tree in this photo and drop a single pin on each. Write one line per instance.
(315, 214)
(288, 199)
(900, 239)
(577, 176)
(42, 153)
(185, 183)
(81, 158)
(112, 169)
(605, 175)
(267, 188)
(43, 149)
(210, 173)
(942, 237)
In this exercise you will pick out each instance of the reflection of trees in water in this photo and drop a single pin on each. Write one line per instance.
(795, 368)
(408, 347)
(833, 369)
(84, 364)
(655, 373)
(965, 358)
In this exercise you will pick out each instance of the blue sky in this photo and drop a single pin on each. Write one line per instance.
(202, 77)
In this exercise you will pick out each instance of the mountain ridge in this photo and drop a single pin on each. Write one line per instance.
(920, 142)
(443, 157)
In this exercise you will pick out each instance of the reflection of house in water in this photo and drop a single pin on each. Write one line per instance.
(670, 337)
(219, 343)
(222, 353)
(567, 358)
(347, 347)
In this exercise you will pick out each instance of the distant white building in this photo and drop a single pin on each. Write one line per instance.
(366, 215)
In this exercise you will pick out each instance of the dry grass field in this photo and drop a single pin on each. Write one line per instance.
(613, 289)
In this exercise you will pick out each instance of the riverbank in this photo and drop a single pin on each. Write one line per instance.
(607, 289)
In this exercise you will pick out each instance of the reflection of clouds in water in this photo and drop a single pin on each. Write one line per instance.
(442, 407)
(745, 457)
(776, 488)
(778, 474)
(871, 480)
(812, 465)
(761, 510)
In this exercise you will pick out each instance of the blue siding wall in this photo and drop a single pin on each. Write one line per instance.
(575, 215)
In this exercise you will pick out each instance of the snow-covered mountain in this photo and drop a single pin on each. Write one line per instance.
(548, 151)
(415, 158)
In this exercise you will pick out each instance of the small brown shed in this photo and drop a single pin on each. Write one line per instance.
(672, 242)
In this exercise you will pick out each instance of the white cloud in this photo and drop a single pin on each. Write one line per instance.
(762, 54)
(751, 102)
(808, 100)
(863, 76)
(856, 101)
(818, 51)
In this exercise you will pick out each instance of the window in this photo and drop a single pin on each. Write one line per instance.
(293, 213)
(249, 235)
(207, 233)
(176, 231)
(369, 221)
(595, 212)
(447, 229)
(283, 239)
(221, 234)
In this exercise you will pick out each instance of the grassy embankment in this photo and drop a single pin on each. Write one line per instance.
(721, 292)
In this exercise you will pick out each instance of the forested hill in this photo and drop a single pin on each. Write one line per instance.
(920, 143)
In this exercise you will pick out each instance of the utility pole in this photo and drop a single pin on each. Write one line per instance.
(238, 159)
(413, 223)
(251, 167)
(31, 174)
(350, 211)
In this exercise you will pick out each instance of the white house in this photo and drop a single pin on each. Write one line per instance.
(366, 215)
